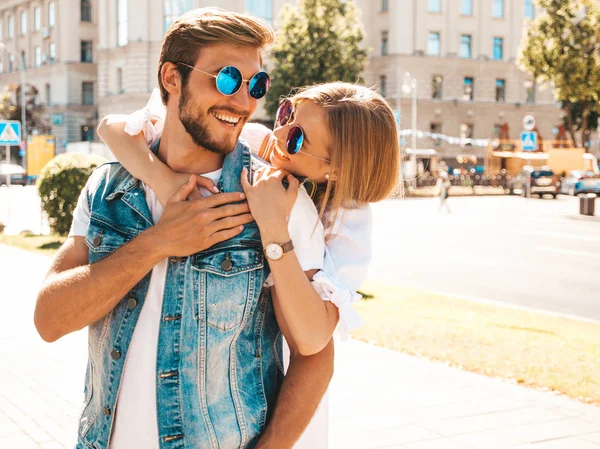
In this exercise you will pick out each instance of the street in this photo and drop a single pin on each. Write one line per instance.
(529, 252)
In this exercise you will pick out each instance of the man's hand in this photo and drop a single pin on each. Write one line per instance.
(189, 226)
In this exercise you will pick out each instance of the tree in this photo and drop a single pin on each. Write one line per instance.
(563, 47)
(319, 42)
(35, 113)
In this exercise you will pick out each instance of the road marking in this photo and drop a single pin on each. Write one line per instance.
(570, 252)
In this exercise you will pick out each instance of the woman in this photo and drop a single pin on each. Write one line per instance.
(341, 136)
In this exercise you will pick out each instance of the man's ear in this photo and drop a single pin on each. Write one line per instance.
(171, 79)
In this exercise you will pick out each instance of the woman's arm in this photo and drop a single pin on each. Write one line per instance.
(310, 320)
(137, 158)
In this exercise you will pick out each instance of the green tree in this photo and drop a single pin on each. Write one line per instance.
(563, 47)
(319, 42)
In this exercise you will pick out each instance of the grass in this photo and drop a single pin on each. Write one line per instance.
(532, 349)
(42, 244)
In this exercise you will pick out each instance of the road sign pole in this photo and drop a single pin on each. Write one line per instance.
(8, 162)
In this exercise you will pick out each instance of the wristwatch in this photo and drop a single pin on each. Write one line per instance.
(275, 251)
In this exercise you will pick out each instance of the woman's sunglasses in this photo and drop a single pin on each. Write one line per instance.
(295, 138)
(229, 80)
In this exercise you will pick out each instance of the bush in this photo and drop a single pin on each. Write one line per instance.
(60, 184)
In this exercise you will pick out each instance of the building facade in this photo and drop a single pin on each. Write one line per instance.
(58, 39)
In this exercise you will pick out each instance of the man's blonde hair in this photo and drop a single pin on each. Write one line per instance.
(204, 27)
(364, 152)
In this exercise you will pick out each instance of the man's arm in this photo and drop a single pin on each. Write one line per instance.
(305, 383)
(76, 294)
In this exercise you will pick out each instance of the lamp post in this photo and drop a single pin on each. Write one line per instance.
(23, 111)
(409, 85)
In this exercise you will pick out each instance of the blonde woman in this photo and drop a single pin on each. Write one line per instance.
(343, 138)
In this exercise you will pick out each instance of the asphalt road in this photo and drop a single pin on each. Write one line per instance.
(530, 252)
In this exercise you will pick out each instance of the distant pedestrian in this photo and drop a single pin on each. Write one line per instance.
(442, 186)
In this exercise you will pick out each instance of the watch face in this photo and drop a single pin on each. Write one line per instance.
(274, 251)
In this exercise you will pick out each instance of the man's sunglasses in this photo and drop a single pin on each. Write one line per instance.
(295, 138)
(229, 80)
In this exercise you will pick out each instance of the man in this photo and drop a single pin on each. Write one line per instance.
(182, 336)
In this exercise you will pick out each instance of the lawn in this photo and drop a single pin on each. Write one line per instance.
(42, 244)
(532, 349)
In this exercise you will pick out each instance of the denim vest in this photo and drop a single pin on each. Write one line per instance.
(219, 365)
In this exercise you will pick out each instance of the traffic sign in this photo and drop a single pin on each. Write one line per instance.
(10, 132)
(528, 122)
(529, 141)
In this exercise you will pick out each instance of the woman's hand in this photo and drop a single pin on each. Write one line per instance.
(270, 202)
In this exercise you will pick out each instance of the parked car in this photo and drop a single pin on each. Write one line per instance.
(17, 174)
(580, 181)
(18, 179)
(532, 181)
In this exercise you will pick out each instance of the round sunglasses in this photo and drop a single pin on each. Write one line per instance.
(229, 80)
(295, 137)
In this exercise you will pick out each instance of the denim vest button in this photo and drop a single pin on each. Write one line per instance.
(106, 411)
(131, 303)
(116, 355)
(97, 240)
(226, 265)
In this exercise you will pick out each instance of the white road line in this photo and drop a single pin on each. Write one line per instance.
(570, 252)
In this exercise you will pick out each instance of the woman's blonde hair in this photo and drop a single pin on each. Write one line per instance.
(364, 153)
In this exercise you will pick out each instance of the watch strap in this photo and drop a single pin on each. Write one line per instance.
(287, 246)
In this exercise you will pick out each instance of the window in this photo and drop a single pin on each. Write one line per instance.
(498, 10)
(468, 89)
(465, 46)
(466, 132)
(52, 53)
(435, 5)
(260, 8)
(1, 31)
(436, 128)
(466, 7)
(531, 87)
(384, 5)
(383, 85)
(87, 93)
(500, 91)
(11, 62)
(86, 10)
(175, 8)
(122, 37)
(38, 56)
(86, 51)
(87, 133)
(11, 27)
(498, 49)
(51, 15)
(384, 43)
(48, 94)
(37, 18)
(436, 87)
(433, 44)
(23, 22)
(529, 9)
(119, 81)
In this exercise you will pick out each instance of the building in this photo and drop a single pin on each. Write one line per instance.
(463, 55)
(58, 39)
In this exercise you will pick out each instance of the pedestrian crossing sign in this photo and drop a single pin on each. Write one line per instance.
(10, 132)
(529, 141)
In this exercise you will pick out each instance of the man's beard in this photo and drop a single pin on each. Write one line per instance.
(197, 127)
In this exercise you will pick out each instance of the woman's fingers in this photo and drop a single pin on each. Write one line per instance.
(207, 183)
(184, 191)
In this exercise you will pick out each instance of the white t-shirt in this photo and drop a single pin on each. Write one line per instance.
(135, 423)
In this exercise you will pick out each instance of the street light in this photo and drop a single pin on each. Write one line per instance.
(23, 111)
(409, 85)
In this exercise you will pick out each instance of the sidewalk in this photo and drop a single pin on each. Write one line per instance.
(379, 398)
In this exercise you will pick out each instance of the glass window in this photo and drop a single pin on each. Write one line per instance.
(119, 81)
(498, 10)
(498, 49)
(122, 23)
(1, 31)
(86, 10)
(531, 88)
(529, 9)
(435, 5)
(500, 91)
(37, 18)
(23, 22)
(48, 94)
(433, 44)
(465, 46)
(11, 62)
(468, 89)
(260, 8)
(384, 43)
(11, 27)
(436, 87)
(86, 51)
(51, 15)
(87, 133)
(52, 52)
(175, 8)
(38, 56)
(466, 132)
(383, 85)
(87, 93)
(466, 7)
(384, 5)
(436, 128)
